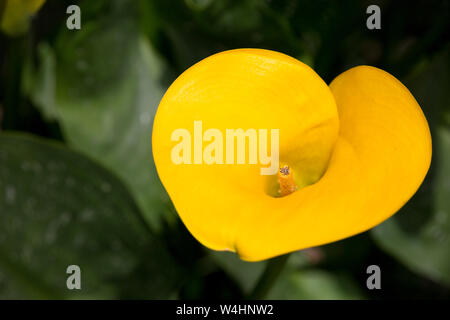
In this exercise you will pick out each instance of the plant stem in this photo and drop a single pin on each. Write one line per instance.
(268, 278)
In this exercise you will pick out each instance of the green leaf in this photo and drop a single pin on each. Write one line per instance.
(58, 208)
(103, 84)
(244, 273)
(247, 274)
(314, 284)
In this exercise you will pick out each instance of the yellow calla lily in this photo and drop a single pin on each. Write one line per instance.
(350, 155)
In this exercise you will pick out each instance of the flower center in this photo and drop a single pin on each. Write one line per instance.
(286, 181)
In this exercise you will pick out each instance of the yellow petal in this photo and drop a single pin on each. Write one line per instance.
(247, 89)
(379, 160)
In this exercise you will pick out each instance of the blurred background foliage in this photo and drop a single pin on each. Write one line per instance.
(77, 179)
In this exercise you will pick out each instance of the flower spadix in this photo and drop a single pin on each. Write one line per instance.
(348, 155)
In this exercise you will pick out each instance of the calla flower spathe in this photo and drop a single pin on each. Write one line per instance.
(358, 150)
